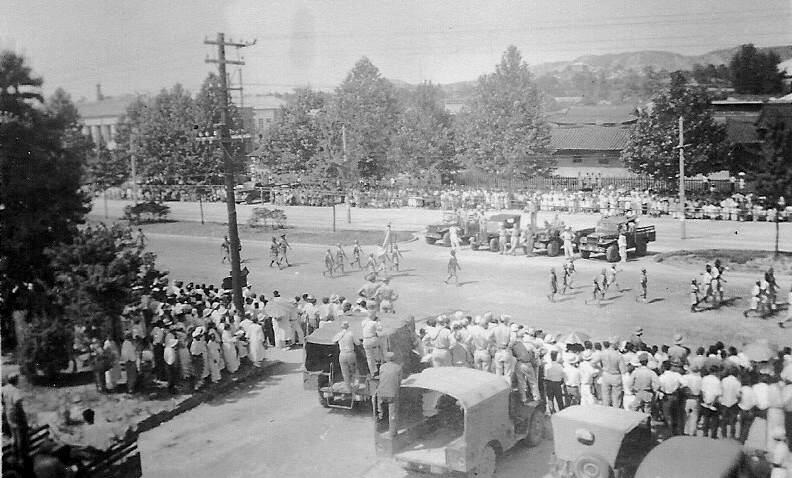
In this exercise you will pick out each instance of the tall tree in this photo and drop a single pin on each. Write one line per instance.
(504, 130)
(296, 140)
(367, 107)
(424, 139)
(755, 72)
(653, 139)
(41, 204)
(771, 175)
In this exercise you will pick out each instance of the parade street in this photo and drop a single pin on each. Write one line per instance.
(279, 429)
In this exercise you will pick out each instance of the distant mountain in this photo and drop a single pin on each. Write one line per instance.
(659, 60)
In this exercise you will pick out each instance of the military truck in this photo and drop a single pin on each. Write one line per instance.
(604, 239)
(439, 233)
(549, 238)
(489, 237)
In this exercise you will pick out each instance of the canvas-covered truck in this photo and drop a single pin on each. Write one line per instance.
(604, 239)
(457, 419)
(322, 371)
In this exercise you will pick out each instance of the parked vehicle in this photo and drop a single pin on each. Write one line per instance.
(694, 457)
(594, 441)
(456, 419)
(489, 236)
(549, 238)
(604, 239)
(322, 372)
(468, 225)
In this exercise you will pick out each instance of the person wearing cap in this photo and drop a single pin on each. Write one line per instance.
(572, 381)
(371, 328)
(482, 340)
(387, 393)
(386, 296)
(588, 378)
(441, 344)
(15, 417)
(340, 258)
(453, 267)
(677, 353)
(636, 339)
(346, 354)
(357, 252)
(503, 359)
(612, 364)
(644, 384)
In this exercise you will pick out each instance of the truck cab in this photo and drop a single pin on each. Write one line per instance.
(604, 239)
(456, 419)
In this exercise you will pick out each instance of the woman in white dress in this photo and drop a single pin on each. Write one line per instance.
(230, 349)
(256, 339)
(213, 356)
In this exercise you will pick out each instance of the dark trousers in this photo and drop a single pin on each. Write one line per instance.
(746, 418)
(159, 361)
(388, 413)
(672, 413)
(788, 425)
(728, 421)
(709, 421)
(269, 332)
(173, 376)
(99, 378)
(131, 376)
(554, 392)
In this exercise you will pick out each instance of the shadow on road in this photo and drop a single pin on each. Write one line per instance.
(271, 378)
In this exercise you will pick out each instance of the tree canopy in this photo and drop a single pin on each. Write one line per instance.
(652, 147)
(756, 72)
(503, 130)
(771, 174)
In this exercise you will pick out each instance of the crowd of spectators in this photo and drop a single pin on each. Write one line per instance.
(704, 204)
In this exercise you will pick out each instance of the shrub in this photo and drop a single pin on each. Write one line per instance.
(146, 212)
(264, 217)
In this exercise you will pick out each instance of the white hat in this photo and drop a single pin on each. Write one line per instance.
(550, 339)
(198, 332)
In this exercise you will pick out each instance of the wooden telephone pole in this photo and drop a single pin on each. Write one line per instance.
(228, 162)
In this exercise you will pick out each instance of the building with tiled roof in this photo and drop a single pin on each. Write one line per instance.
(603, 115)
(587, 149)
(100, 118)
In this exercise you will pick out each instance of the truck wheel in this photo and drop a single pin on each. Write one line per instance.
(553, 248)
(585, 254)
(430, 240)
(612, 253)
(486, 468)
(591, 466)
(447, 239)
(536, 428)
(640, 247)
(474, 246)
(323, 401)
(494, 244)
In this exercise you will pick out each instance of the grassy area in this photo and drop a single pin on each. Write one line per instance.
(738, 260)
(295, 235)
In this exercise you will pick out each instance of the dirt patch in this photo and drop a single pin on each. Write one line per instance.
(295, 235)
(749, 261)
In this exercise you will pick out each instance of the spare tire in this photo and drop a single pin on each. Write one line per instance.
(612, 253)
(553, 248)
(591, 466)
(494, 246)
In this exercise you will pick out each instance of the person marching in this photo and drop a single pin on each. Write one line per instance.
(371, 267)
(226, 248)
(395, 255)
(340, 258)
(644, 284)
(694, 295)
(329, 264)
(553, 285)
(603, 279)
(566, 279)
(274, 252)
(357, 251)
(387, 243)
(453, 235)
(610, 276)
(283, 247)
(453, 267)
(596, 292)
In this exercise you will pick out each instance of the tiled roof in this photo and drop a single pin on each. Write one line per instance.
(106, 108)
(594, 114)
(596, 138)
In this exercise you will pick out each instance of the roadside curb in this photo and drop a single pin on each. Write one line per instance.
(198, 398)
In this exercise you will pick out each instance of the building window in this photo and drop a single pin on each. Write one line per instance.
(577, 158)
(260, 123)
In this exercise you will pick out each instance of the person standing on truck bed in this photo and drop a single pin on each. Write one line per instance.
(622, 243)
(567, 237)
(371, 341)
(346, 354)
(387, 393)
(441, 344)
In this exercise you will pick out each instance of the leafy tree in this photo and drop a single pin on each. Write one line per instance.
(771, 174)
(106, 168)
(755, 72)
(504, 129)
(424, 139)
(299, 136)
(366, 105)
(654, 137)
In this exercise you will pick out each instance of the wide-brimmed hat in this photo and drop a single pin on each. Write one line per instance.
(198, 332)
(572, 360)
(678, 339)
(587, 354)
(550, 339)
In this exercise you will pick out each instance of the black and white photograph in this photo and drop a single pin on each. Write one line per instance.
(412, 239)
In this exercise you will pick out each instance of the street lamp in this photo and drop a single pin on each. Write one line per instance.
(781, 207)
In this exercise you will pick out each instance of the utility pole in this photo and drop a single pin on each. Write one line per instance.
(133, 150)
(681, 179)
(225, 141)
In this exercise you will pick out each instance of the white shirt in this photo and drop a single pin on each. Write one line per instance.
(747, 398)
(571, 376)
(587, 372)
(670, 381)
(730, 390)
(762, 395)
(710, 389)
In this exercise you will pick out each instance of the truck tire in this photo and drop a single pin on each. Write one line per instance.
(591, 466)
(612, 253)
(536, 426)
(486, 468)
(323, 401)
(446, 239)
(494, 244)
(474, 246)
(585, 254)
(640, 247)
(553, 248)
(430, 240)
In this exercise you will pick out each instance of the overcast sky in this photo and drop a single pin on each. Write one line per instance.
(145, 45)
